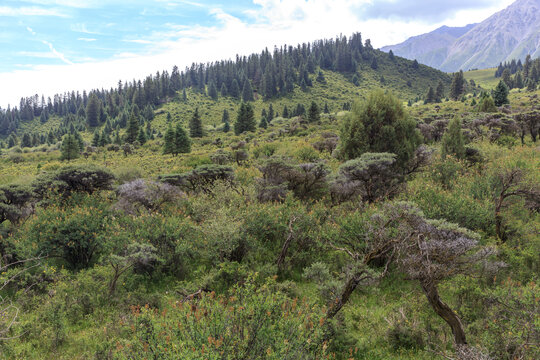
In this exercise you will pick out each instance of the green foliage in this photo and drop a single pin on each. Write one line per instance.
(70, 148)
(132, 130)
(250, 322)
(245, 120)
(195, 125)
(77, 234)
(73, 178)
(453, 141)
(182, 143)
(457, 87)
(379, 124)
(487, 105)
(500, 94)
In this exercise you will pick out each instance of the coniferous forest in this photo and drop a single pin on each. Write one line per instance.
(319, 201)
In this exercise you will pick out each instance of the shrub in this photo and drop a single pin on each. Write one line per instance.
(250, 323)
(127, 174)
(306, 181)
(74, 178)
(373, 176)
(201, 179)
(139, 195)
(265, 150)
(15, 202)
(379, 124)
(221, 157)
(307, 153)
(77, 234)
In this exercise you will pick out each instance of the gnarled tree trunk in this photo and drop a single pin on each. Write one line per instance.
(444, 311)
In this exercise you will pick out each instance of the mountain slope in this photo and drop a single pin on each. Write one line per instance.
(509, 34)
(432, 48)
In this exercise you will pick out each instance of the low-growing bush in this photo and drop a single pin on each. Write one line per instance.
(140, 195)
(201, 179)
(74, 178)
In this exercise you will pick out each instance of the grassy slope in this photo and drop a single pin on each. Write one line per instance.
(484, 78)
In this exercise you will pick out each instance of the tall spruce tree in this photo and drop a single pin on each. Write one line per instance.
(69, 148)
(500, 94)
(195, 125)
(245, 120)
(439, 93)
(182, 143)
(169, 138)
(458, 85)
(225, 117)
(95, 139)
(93, 111)
(212, 91)
(314, 113)
(247, 92)
(430, 97)
(132, 130)
(141, 137)
(235, 89)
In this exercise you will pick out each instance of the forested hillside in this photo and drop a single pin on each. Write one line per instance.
(327, 201)
(286, 75)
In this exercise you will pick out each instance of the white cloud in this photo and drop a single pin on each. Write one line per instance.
(56, 53)
(30, 11)
(275, 22)
(30, 30)
(86, 39)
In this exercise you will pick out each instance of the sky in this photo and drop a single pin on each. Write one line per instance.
(53, 46)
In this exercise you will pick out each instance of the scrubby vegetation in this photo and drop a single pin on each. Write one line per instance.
(372, 230)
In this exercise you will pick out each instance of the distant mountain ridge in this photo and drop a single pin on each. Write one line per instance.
(432, 48)
(509, 34)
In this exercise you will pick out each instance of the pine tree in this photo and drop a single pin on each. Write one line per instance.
(226, 127)
(271, 114)
(79, 139)
(518, 80)
(184, 95)
(506, 77)
(263, 124)
(245, 120)
(12, 140)
(26, 140)
(92, 111)
(314, 114)
(212, 91)
(326, 110)
(235, 89)
(195, 125)
(453, 142)
(439, 93)
(169, 139)
(247, 92)
(95, 139)
(141, 137)
(223, 90)
(225, 117)
(430, 97)
(69, 148)
(285, 112)
(132, 130)
(458, 85)
(182, 143)
(500, 94)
